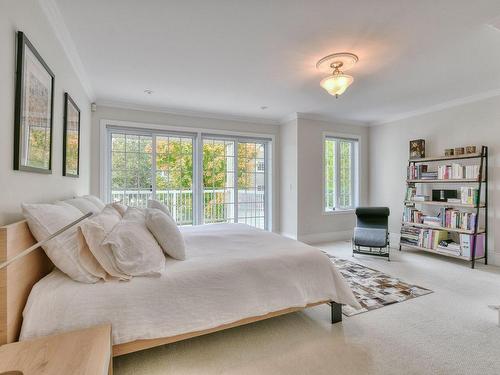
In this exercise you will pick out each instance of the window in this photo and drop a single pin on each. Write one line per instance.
(341, 173)
(234, 181)
(225, 181)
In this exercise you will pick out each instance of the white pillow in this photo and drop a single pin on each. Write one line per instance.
(166, 232)
(135, 250)
(64, 250)
(120, 207)
(152, 203)
(84, 205)
(94, 236)
(96, 201)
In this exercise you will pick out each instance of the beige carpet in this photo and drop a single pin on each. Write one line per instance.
(450, 331)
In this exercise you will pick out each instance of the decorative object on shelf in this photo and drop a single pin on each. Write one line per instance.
(459, 151)
(71, 144)
(442, 195)
(337, 82)
(417, 149)
(449, 152)
(33, 112)
(455, 232)
(470, 149)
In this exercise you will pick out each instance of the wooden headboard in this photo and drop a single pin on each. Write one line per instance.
(17, 279)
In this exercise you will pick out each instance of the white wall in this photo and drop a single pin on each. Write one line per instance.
(288, 179)
(313, 224)
(302, 212)
(15, 186)
(188, 122)
(475, 123)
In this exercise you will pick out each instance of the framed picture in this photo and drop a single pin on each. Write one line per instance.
(417, 149)
(33, 112)
(71, 138)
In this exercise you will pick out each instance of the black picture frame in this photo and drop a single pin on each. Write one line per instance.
(69, 105)
(24, 129)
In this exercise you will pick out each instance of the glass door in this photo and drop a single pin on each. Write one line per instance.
(174, 176)
(219, 181)
(146, 166)
(131, 162)
(252, 183)
(234, 195)
(202, 179)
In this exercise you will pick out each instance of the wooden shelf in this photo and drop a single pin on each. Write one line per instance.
(456, 230)
(435, 251)
(459, 181)
(441, 158)
(446, 204)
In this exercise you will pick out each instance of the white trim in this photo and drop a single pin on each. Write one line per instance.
(357, 177)
(438, 107)
(316, 238)
(56, 20)
(187, 112)
(322, 118)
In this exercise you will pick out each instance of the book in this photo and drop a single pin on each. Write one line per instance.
(421, 198)
(469, 195)
(467, 243)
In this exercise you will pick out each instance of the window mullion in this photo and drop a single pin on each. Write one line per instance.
(235, 183)
(337, 174)
(153, 166)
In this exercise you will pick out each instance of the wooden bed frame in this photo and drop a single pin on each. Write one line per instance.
(17, 279)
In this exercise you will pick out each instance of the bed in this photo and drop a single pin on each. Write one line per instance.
(234, 274)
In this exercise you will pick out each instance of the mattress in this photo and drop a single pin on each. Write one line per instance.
(232, 272)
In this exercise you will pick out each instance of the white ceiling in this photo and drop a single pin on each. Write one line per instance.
(232, 57)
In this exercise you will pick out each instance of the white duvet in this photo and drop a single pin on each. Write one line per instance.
(232, 272)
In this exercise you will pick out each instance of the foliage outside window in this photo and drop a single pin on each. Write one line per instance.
(227, 195)
(340, 173)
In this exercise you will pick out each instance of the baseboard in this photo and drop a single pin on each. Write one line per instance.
(325, 237)
(289, 235)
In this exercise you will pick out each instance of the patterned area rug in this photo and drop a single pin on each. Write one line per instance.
(374, 289)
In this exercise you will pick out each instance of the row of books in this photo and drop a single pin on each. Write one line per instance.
(469, 195)
(412, 215)
(430, 238)
(420, 172)
(438, 240)
(451, 218)
(464, 247)
(457, 171)
(409, 235)
(444, 172)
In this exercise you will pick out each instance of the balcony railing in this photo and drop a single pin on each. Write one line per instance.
(218, 204)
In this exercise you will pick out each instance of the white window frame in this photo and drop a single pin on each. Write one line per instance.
(197, 134)
(355, 172)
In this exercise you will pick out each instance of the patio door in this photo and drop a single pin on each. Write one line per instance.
(201, 178)
(153, 166)
(234, 181)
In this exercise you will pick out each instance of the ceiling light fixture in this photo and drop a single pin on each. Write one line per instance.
(337, 82)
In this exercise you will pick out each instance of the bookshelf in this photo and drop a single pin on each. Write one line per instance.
(424, 232)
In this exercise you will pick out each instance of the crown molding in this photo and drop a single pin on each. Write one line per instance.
(186, 112)
(439, 107)
(322, 118)
(56, 20)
